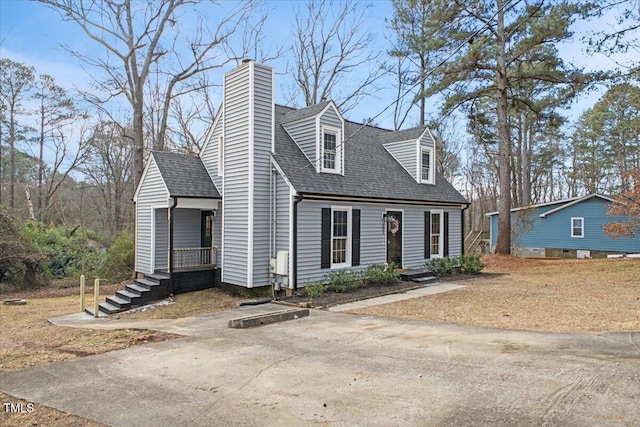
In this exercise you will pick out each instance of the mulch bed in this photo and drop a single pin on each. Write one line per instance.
(365, 292)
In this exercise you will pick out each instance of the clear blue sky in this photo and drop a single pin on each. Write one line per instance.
(31, 33)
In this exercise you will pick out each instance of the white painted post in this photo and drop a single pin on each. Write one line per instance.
(96, 296)
(82, 293)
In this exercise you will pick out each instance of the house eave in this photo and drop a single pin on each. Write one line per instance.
(320, 196)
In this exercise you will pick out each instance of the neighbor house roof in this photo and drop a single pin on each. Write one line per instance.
(562, 204)
(370, 171)
(185, 175)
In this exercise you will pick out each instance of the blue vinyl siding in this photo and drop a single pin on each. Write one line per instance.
(554, 230)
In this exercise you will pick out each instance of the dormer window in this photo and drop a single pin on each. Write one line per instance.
(426, 166)
(331, 150)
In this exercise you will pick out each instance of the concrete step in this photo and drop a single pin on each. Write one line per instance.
(118, 302)
(417, 273)
(127, 295)
(426, 279)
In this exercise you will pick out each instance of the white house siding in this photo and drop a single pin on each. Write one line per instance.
(372, 235)
(162, 239)
(282, 214)
(303, 133)
(331, 118)
(209, 155)
(405, 153)
(236, 176)
(152, 192)
(187, 228)
(217, 235)
(262, 139)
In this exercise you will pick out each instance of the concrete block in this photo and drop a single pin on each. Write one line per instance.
(266, 318)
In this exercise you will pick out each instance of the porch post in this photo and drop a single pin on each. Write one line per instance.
(175, 203)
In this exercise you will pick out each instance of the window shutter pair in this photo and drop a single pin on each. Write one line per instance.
(427, 234)
(325, 256)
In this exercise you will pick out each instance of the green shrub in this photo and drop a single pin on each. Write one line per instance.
(315, 289)
(441, 266)
(120, 258)
(471, 264)
(344, 281)
(381, 274)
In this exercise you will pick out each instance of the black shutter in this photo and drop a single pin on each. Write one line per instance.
(355, 237)
(325, 257)
(427, 235)
(446, 234)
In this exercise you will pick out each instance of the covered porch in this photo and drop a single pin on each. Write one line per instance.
(185, 243)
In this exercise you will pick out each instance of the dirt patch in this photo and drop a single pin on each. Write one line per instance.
(332, 298)
(540, 295)
(189, 304)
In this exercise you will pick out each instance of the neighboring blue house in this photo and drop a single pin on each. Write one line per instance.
(567, 228)
(279, 197)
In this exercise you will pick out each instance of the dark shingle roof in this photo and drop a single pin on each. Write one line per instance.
(370, 171)
(185, 175)
(292, 115)
(402, 135)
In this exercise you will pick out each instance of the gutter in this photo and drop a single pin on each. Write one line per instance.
(462, 226)
(294, 250)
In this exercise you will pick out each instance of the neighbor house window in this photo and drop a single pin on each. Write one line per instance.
(331, 150)
(340, 235)
(426, 166)
(220, 156)
(577, 227)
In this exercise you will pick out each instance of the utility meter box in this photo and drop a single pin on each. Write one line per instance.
(282, 263)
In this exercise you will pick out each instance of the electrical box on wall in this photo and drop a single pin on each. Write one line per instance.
(282, 263)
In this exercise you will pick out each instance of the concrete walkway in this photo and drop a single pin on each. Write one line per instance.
(386, 299)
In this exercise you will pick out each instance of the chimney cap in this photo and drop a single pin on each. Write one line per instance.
(247, 60)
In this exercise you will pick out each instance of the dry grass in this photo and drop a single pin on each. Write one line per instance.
(190, 304)
(28, 339)
(541, 295)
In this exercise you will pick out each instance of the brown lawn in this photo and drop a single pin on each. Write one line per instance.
(540, 295)
(28, 339)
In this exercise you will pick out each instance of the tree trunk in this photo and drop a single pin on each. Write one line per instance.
(138, 137)
(41, 165)
(503, 245)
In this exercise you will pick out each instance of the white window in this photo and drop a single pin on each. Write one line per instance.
(577, 227)
(426, 166)
(220, 156)
(436, 238)
(340, 237)
(331, 151)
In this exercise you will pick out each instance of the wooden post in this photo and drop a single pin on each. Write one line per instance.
(96, 296)
(82, 293)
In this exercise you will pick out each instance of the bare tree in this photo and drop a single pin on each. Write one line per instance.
(142, 37)
(54, 111)
(330, 52)
(107, 166)
(15, 82)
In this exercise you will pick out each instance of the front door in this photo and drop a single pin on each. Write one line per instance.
(206, 237)
(394, 237)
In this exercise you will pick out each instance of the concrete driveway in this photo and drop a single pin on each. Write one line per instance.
(344, 370)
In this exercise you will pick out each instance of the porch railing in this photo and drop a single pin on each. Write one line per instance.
(194, 257)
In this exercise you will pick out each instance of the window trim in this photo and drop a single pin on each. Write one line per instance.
(440, 253)
(338, 160)
(348, 244)
(429, 150)
(581, 236)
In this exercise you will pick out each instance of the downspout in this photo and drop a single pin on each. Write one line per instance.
(171, 285)
(294, 250)
(462, 227)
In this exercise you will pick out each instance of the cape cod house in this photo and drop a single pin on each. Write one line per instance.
(280, 196)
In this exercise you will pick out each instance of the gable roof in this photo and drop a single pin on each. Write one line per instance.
(402, 135)
(293, 115)
(565, 203)
(185, 175)
(370, 171)
(575, 202)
